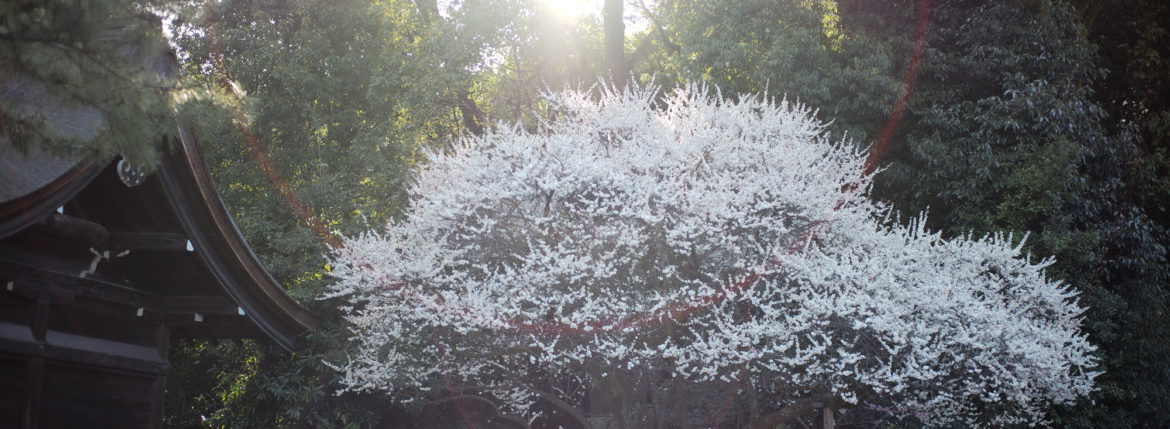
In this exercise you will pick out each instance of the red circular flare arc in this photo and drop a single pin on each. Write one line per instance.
(682, 310)
(303, 212)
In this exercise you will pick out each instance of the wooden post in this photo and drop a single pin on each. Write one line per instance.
(34, 380)
(828, 418)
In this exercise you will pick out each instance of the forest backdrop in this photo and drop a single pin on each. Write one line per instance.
(1048, 116)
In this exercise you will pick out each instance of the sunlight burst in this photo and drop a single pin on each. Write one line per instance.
(573, 10)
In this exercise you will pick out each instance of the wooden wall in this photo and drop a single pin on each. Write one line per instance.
(67, 361)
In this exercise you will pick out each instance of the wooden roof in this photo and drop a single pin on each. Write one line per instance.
(166, 248)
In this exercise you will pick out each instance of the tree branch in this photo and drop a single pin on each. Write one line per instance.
(658, 30)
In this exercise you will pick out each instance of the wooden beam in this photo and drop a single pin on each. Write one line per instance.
(74, 228)
(60, 288)
(80, 349)
(57, 288)
(198, 304)
(160, 241)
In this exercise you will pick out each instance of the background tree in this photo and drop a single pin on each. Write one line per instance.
(1133, 45)
(325, 108)
(547, 49)
(615, 42)
(1006, 133)
(1013, 125)
(797, 49)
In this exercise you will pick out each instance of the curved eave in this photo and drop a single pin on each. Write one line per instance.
(220, 245)
(20, 213)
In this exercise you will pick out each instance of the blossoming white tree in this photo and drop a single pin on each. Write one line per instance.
(713, 239)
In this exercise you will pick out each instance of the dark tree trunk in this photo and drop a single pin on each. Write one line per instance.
(473, 117)
(615, 41)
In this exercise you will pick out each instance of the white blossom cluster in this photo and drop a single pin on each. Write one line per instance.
(724, 238)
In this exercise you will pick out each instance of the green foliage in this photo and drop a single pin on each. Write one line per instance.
(1000, 119)
(1014, 126)
(545, 52)
(86, 78)
(1005, 132)
(249, 384)
(1131, 286)
(340, 102)
(793, 48)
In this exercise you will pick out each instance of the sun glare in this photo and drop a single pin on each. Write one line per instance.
(573, 10)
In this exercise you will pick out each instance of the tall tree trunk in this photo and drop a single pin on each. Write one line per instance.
(615, 43)
(473, 117)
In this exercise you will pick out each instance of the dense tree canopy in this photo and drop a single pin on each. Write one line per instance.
(1009, 128)
(325, 113)
(1040, 116)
